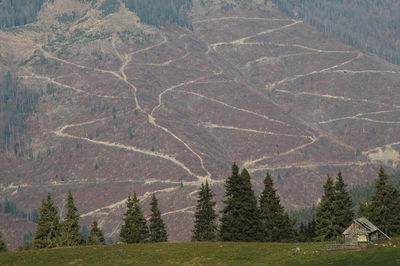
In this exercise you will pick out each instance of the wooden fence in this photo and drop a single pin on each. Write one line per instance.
(332, 247)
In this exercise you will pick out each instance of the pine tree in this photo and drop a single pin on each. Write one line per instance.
(70, 234)
(205, 227)
(134, 228)
(241, 219)
(325, 218)
(96, 235)
(3, 246)
(157, 230)
(364, 210)
(277, 226)
(343, 206)
(385, 206)
(48, 227)
(310, 230)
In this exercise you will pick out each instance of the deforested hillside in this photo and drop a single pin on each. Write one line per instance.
(367, 24)
(114, 96)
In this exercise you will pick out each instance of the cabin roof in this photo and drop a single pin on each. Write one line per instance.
(366, 227)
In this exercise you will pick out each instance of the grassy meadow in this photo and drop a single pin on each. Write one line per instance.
(209, 253)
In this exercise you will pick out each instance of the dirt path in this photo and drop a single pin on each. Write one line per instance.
(305, 166)
(342, 98)
(60, 133)
(253, 162)
(235, 108)
(238, 18)
(211, 125)
(244, 39)
(274, 84)
(53, 81)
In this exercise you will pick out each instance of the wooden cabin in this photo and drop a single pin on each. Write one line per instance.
(362, 231)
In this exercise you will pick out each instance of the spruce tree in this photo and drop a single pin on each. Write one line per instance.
(205, 226)
(325, 218)
(48, 228)
(70, 234)
(343, 206)
(385, 206)
(310, 230)
(157, 230)
(277, 226)
(3, 246)
(241, 219)
(134, 228)
(96, 235)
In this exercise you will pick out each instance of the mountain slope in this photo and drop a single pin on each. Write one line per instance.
(126, 106)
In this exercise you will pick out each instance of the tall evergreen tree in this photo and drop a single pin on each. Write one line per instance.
(134, 228)
(158, 233)
(205, 226)
(3, 246)
(325, 218)
(343, 206)
(48, 228)
(385, 206)
(309, 230)
(96, 235)
(277, 226)
(241, 219)
(70, 234)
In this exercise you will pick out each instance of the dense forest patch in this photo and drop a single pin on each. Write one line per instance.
(367, 24)
(157, 12)
(19, 12)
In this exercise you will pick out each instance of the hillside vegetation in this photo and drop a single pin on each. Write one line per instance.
(208, 253)
(367, 24)
(18, 12)
(157, 12)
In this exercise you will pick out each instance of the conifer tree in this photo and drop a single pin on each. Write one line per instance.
(343, 206)
(325, 228)
(70, 234)
(205, 227)
(385, 206)
(134, 228)
(277, 226)
(364, 210)
(96, 235)
(157, 230)
(310, 230)
(48, 228)
(3, 246)
(240, 217)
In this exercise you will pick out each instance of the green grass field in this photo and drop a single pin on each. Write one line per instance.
(211, 253)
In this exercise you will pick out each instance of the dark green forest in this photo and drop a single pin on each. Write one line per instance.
(157, 12)
(18, 12)
(372, 25)
(358, 193)
(16, 104)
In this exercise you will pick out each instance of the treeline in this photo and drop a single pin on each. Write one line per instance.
(336, 210)
(52, 232)
(245, 217)
(157, 12)
(16, 104)
(11, 208)
(359, 194)
(19, 12)
(367, 24)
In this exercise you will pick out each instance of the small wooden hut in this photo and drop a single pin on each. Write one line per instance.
(362, 231)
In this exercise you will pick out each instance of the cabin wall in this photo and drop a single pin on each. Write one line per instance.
(374, 236)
